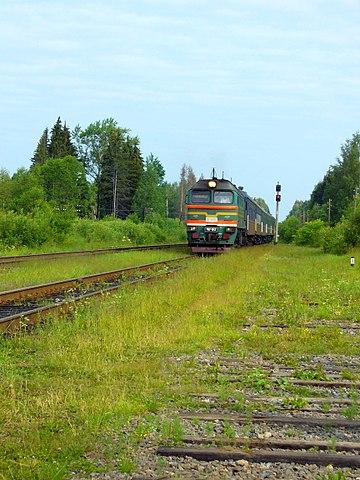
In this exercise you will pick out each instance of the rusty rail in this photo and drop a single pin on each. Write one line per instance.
(33, 315)
(47, 256)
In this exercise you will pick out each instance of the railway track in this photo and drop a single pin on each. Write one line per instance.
(24, 307)
(265, 419)
(49, 256)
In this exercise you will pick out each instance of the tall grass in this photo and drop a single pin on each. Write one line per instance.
(49, 230)
(72, 383)
(23, 274)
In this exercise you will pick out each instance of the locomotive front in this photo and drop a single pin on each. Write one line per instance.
(212, 215)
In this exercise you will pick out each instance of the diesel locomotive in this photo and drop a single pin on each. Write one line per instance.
(220, 215)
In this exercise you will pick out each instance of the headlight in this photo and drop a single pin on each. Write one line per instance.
(230, 229)
(191, 229)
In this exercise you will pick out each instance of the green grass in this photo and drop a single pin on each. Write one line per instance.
(23, 274)
(67, 389)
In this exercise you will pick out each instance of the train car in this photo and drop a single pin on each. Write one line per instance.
(220, 215)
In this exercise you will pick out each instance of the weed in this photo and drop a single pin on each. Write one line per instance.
(332, 444)
(333, 476)
(228, 430)
(257, 380)
(295, 403)
(312, 374)
(352, 411)
(172, 430)
(325, 407)
(209, 428)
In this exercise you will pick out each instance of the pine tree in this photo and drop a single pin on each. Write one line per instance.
(41, 153)
(131, 167)
(60, 145)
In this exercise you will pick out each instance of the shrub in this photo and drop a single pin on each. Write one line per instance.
(333, 239)
(44, 224)
(309, 234)
(352, 229)
(117, 232)
(288, 229)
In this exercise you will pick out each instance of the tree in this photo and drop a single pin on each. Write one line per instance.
(172, 192)
(120, 175)
(5, 189)
(150, 194)
(187, 180)
(65, 185)
(339, 183)
(98, 147)
(93, 143)
(132, 168)
(41, 153)
(26, 191)
(60, 144)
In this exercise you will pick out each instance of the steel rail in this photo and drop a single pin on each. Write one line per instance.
(21, 321)
(47, 256)
(37, 291)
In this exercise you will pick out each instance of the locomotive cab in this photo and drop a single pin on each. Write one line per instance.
(212, 215)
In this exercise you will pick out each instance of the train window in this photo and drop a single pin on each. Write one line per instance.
(200, 196)
(223, 197)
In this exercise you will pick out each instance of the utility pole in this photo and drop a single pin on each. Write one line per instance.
(329, 211)
(278, 199)
(355, 198)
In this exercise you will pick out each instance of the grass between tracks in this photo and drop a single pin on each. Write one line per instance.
(71, 386)
(17, 275)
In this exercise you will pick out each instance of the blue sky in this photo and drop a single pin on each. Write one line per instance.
(262, 90)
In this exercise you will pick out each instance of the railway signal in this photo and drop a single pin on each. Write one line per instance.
(278, 199)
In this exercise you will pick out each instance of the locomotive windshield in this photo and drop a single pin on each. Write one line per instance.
(223, 197)
(200, 196)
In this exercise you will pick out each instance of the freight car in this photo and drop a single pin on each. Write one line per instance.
(220, 215)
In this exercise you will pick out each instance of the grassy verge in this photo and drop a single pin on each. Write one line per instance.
(68, 385)
(23, 274)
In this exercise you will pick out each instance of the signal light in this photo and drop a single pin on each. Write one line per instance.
(278, 198)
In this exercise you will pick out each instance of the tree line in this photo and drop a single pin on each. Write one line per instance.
(95, 172)
(331, 216)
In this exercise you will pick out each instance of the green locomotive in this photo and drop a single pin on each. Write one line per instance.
(220, 215)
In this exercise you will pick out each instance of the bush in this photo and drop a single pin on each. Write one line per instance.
(44, 224)
(288, 229)
(352, 229)
(309, 234)
(118, 232)
(333, 239)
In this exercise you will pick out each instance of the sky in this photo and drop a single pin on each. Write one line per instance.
(264, 91)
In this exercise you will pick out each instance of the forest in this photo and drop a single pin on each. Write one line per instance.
(93, 173)
(98, 172)
(330, 218)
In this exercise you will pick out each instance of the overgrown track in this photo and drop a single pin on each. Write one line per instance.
(309, 415)
(24, 307)
(48, 256)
